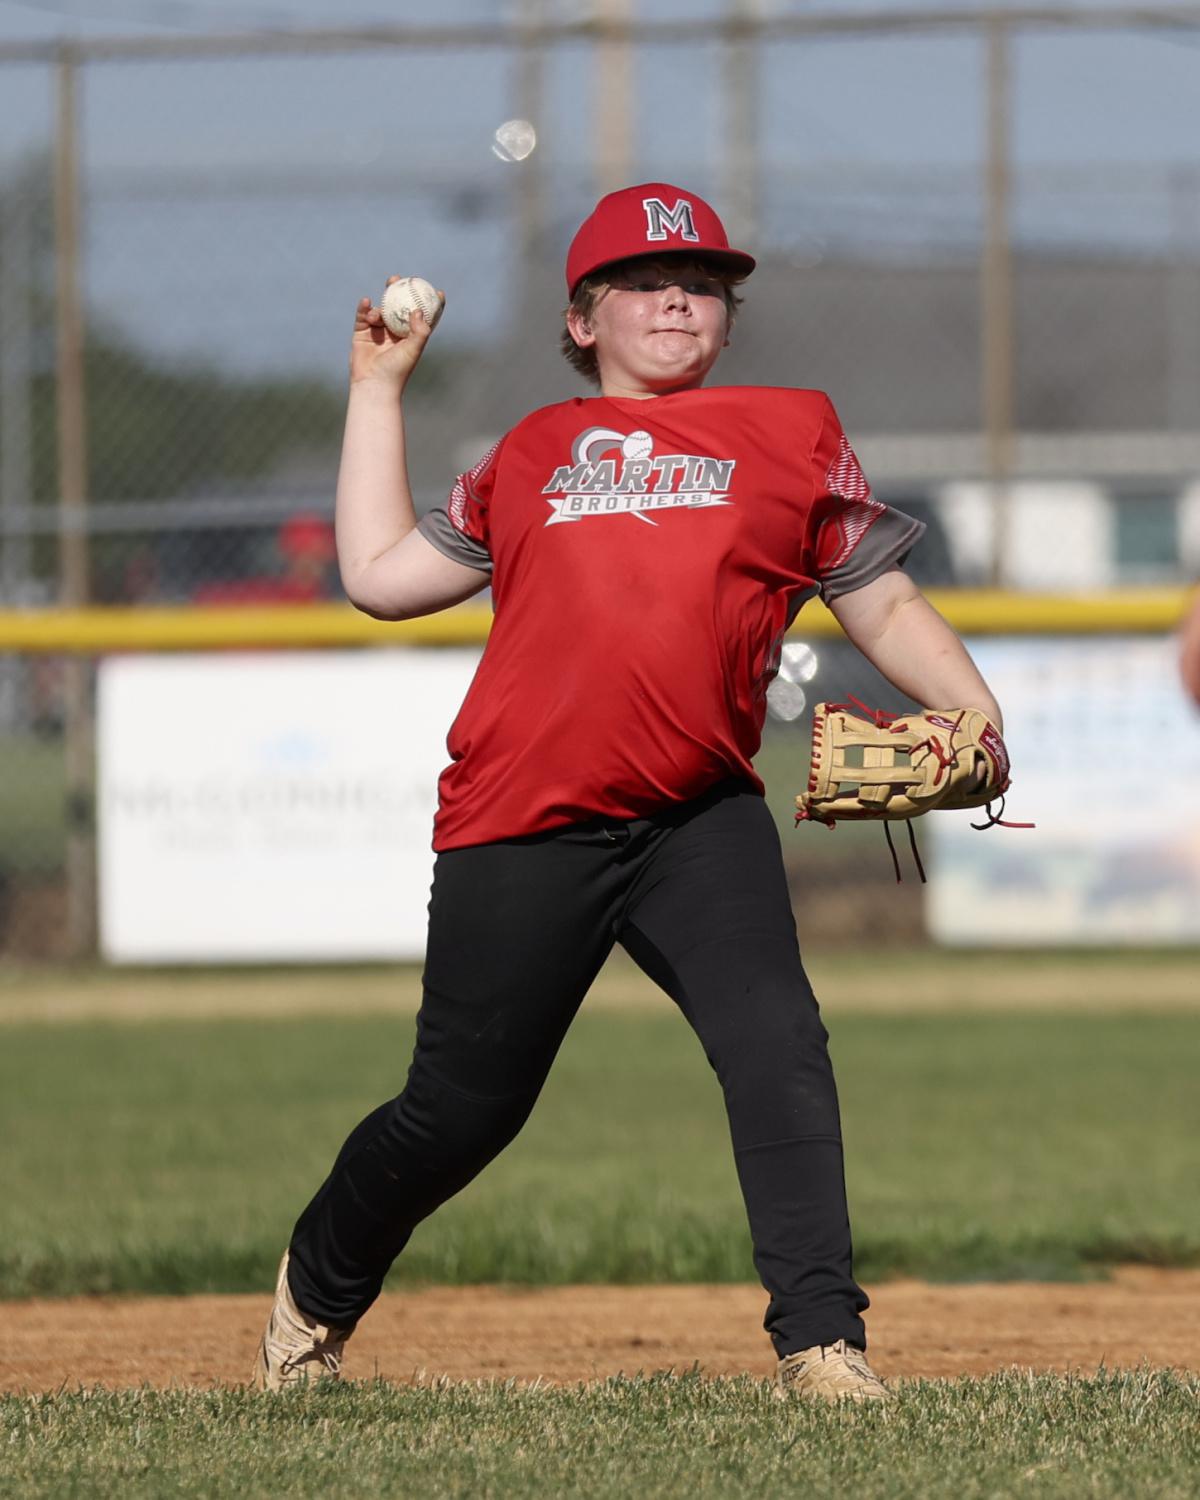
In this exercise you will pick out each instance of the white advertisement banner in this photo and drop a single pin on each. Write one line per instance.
(270, 807)
(1087, 722)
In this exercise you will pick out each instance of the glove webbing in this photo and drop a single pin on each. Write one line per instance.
(882, 719)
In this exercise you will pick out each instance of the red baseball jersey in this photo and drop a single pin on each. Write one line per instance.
(647, 557)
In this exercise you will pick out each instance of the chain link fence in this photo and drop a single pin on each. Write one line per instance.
(226, 236)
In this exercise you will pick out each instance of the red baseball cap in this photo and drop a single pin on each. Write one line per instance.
(654, 218)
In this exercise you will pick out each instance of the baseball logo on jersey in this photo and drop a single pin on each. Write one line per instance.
(634, 481)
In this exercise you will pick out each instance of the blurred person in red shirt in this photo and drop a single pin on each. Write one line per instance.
(306, 545)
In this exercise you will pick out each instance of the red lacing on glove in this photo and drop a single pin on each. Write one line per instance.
(806, 814)
(878, 716)
(947, 759)
(998, 820)
(934, 746)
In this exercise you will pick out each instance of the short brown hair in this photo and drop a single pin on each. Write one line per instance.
(587, 294)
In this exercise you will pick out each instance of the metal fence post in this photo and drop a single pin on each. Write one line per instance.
(614, 97)
(738, 163)
(16, 371)
(531, 95)
(996, 275)
(1183, 303)
(73, 536)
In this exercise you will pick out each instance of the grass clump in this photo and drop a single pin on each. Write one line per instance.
(1111, 1434)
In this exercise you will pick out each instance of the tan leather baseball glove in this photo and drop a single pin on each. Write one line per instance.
(872, 764)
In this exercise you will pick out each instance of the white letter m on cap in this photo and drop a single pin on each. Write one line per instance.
(660, 219)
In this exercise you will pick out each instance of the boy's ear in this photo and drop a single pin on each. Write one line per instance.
(580, 329)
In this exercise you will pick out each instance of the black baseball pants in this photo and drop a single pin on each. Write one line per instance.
(518, 931)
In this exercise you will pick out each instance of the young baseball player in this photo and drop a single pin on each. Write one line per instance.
(647, 548)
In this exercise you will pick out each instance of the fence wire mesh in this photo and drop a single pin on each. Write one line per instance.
(233, 210)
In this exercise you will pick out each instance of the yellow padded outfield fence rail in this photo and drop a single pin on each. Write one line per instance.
(281, 627)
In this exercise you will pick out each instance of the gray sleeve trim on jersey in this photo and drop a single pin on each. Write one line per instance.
(797, 603)
(438, 529)
(886, 543)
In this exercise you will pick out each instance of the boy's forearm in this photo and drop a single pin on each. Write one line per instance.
(905, 639)
(922, 655)
(374, 502)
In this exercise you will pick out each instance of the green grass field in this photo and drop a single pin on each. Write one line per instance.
(172, 1156)
(1111, 1435)
(169, 1150)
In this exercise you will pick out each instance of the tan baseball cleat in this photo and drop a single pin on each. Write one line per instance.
(294, 1347)
(830, 1372)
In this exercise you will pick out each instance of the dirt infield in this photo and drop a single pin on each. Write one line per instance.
(568, 1334)
(915, 981)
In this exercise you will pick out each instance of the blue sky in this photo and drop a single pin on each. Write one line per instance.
(1081, 97)
(264, 179)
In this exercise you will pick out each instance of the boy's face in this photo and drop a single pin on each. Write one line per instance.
(657, 326)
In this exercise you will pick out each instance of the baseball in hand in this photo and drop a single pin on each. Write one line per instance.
(403, 297)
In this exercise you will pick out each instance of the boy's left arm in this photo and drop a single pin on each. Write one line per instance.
(901, 634)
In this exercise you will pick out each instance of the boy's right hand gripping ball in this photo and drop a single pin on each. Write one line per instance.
(401, 300)
(901, 765)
